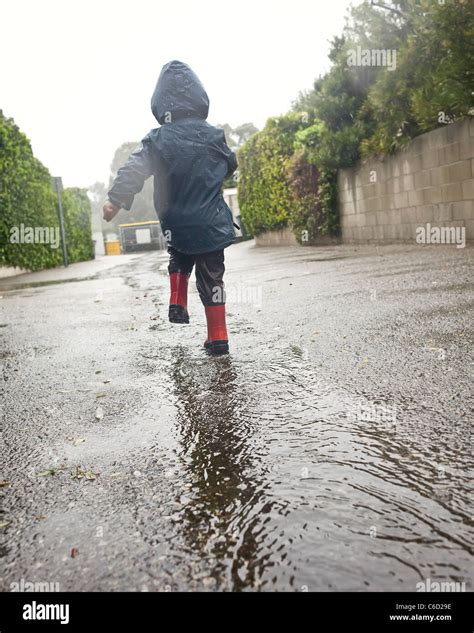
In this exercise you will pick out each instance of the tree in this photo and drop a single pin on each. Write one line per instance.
(143, 208)
(97, 195)
(355, 111)
(236, 137)
(433, 79)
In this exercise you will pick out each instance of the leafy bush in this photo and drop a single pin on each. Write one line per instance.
(434, 75)
(306, 213)
(265, 197)
(77, 224)
(27, 197)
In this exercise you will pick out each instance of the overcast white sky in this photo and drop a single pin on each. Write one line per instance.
(77, 75)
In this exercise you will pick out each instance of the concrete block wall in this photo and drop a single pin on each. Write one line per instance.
(283, 237)
(431, 181)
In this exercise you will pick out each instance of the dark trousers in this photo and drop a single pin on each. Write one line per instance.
(210, 270)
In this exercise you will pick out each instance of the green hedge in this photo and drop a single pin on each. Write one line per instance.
(281, 184)
(77, 224)
(27, 197)
(265, 197)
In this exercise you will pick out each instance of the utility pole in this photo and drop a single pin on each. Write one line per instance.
(58, 187)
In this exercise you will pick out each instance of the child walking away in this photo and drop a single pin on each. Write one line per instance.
(189, 160)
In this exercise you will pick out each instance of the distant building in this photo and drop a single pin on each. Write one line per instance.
(98, 239)
(230, 196)
(141, 236)
(96, 230)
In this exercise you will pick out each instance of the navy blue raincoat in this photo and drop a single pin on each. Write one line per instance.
(189, 160)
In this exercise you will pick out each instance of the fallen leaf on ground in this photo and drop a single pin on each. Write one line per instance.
(74, 552)
(79, 473)
(51, 471)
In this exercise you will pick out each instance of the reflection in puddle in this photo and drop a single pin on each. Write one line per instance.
(220, 463)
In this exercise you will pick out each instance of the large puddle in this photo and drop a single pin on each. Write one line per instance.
(278, 480)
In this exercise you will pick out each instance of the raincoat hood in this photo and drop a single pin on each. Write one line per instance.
(179, 94)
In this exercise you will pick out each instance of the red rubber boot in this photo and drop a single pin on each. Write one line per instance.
(178, 312)
(217, 342)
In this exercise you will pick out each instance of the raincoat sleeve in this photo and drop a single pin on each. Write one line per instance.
(131, 177)
(229, 156)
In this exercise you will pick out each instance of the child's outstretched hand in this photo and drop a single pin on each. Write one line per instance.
(110, 211)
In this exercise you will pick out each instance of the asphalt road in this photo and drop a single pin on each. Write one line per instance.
(330, 451)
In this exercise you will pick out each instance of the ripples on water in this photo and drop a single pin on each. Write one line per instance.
(274, 484)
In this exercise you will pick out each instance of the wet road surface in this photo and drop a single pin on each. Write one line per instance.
(330, 451)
